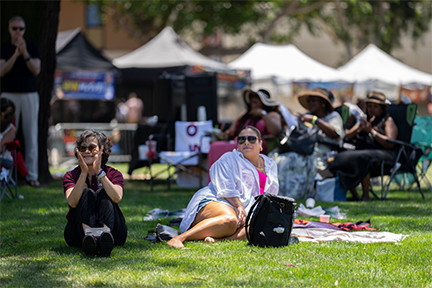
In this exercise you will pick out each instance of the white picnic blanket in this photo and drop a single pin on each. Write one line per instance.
(324, 235)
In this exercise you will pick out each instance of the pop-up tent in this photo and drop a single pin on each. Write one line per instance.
(374, 64)
(165, 52)
(74, 51)
(284, 61)
(373, 69)
(85, 76)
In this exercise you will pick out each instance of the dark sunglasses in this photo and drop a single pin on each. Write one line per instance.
(242, 139)
(18, 28)
(312, 99)
(91, 148)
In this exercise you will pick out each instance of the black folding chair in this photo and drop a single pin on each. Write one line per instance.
(9, 171)
(408, 154)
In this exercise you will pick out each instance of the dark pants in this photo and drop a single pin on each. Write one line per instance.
(95, 209)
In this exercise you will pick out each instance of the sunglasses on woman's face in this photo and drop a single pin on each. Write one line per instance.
(91, 148)
(250, 139)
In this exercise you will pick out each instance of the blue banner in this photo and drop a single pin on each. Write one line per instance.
(90, 85)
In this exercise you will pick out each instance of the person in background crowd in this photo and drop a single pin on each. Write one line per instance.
(218, 211)
(369, 137)
(7, 130)
(136, 108)
(297, 172)
(93, 191)
(262, 113)
(19, 65)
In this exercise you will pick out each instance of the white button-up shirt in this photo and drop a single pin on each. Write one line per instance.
(232, 176)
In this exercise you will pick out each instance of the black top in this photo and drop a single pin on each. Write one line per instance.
(19, 79)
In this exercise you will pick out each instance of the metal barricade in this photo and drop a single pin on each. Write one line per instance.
(62, 136)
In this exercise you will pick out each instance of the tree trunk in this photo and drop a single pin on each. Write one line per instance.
(48, 25)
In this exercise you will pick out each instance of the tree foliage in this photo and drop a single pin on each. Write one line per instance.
(354, 23)
(257, 19)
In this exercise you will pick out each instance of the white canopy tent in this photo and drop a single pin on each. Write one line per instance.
(286, 62)
(374, 64)
(373, 69)
(166, 50)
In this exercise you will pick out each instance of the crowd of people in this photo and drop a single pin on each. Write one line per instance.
(218, 211)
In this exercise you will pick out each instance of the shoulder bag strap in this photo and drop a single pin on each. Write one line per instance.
(249, 216)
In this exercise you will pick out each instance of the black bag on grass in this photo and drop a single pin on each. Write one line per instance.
(270, 220)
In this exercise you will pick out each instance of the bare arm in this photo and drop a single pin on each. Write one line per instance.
(272, 120)
(115, 192)
(6, 66)
(391, 132)
(351, 133)
(229, 133)
(8, 137)
(328, 129)
(33, 64)
(235, 201)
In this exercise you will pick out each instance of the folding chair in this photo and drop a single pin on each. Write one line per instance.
(192, 140)
(407, 154)
(9, 171)
(422, 136)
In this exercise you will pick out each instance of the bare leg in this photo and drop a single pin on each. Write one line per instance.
(354, 193)
(240, 234)
(216, 220)
(365, 187)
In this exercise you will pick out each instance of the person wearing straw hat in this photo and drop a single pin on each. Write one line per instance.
(262, 113)
(297, 172)
(369, 137)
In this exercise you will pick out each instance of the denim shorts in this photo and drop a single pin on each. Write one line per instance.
(203, 203)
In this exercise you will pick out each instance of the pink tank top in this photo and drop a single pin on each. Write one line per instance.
(262, 181)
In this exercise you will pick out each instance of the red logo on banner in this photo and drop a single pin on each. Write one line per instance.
(190, 128)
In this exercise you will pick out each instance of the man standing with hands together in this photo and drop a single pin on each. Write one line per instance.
(19, 66)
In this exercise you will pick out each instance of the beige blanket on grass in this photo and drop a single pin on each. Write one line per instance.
(324, 235)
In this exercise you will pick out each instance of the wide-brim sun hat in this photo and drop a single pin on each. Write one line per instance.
(262, 94)
(377, 98)
(318, 92)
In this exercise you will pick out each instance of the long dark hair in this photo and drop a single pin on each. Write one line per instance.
(253, 120)
(102, 140)
(5, 104)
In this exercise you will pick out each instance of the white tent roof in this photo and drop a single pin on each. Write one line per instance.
(374, 64)
(284, 61)
(165, 50)
(63, 38)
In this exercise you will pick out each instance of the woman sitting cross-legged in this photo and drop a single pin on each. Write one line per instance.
(93, 191)
(218, 211)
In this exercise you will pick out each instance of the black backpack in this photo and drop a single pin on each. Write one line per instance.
(270, 220)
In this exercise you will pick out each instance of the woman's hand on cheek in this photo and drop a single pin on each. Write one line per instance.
(97, 164)
(81, 162)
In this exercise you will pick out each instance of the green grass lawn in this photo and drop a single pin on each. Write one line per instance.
(33, 252)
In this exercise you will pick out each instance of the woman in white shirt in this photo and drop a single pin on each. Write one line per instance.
(219, 210)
